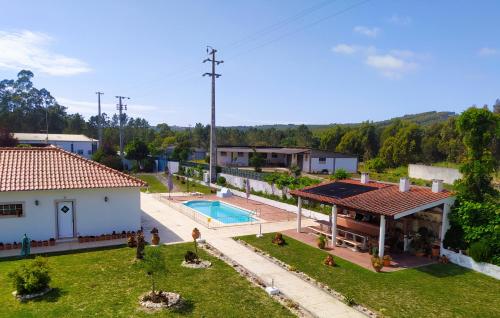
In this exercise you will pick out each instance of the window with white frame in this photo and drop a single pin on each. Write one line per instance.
(11, 209)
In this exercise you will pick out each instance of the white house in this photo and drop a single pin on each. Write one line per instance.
(309, 160)
(47, 192)
(79, 144)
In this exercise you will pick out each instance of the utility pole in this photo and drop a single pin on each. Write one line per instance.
(213, 141)
(121, 107)
(99, 118)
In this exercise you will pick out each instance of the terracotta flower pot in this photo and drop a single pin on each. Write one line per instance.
(155, 239)
(45, 243)
(8, 246)
(33, 243)
(387, 262)
(52, 242)
(39, 243)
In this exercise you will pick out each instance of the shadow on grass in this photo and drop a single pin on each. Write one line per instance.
(443, 270)
(68, 252)
(51, 297)
(186, 308)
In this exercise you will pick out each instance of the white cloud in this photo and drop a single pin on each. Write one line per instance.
(487, 51)
(370, 32)
(391, 64)
(87, 109)
(400, 20)
(30, 50)
(345, 49)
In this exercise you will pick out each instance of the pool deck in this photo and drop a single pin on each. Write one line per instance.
(265, 212)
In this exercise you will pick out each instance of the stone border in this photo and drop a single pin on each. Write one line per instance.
(307, 278)
(175, 297)
(31, 296)
(201, 265)
(281, 298)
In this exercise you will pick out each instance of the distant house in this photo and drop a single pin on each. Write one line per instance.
(79, 144)
(47, 192)
(196, 153)
(309, 160)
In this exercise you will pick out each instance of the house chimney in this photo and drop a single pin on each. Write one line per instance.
(404, 184)
(365, 177)
(437, 185)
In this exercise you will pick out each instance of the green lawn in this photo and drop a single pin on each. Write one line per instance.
(193, 186)
(106, 283)
(155, 186)
(430, 291)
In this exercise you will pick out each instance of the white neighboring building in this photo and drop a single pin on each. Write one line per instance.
(47, 192)
(309, 160)
(79, 144)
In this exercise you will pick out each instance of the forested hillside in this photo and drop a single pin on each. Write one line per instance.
(425, 137)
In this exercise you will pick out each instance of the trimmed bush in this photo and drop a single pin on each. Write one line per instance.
(340, 174)
(481, 251)
(32, 277)
(221, 181)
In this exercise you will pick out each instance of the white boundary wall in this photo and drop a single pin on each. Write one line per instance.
(256, 185)
(468, 262)
(448, 175)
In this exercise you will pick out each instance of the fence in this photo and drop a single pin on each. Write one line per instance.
(244, 173)
(207, 221)
(468, 262)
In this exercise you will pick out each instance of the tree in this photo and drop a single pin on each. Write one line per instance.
(7, 138)
(154, 265)
(404, 146)
(137, 150)
(256, 161)
(476, 215)
(107, 155)
(182, 151)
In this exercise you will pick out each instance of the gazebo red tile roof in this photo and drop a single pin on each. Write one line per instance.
(382, 198)
(51, 168)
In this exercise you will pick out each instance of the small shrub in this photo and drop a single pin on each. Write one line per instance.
(340, 174)
(376, 164)
(322, 241)
(190, 257)
(221, 181)
(32, 277)
(349, 300)
(278, 239)
(377, 263)
(481, 251)
(295, 170)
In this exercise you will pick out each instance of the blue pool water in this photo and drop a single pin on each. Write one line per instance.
(220, 211)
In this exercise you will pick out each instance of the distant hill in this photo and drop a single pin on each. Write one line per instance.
(424, 119)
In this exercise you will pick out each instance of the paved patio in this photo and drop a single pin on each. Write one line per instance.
(363, 259)
(266, 212)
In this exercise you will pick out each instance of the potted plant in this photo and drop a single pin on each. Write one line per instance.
(387, 260)
(39, 243)
(124, 234)
(52, 241)
(2, 247)
(329, 261)
(278, 239)
(195, 234)
(114, 235)
(46, 243)
(92, 238)
(131, 241)
(377, 263)
(321, 241)
(155, 239)
(435, 249)
(80, 239)
(33, 243)
(108, 237)
(102, 237)
(8, 246)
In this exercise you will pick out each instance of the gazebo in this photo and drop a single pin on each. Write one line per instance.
(364, 212)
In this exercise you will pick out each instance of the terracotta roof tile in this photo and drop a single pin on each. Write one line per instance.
(386, 200)
(51, 168)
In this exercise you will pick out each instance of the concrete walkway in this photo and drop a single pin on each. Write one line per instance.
(176, 227)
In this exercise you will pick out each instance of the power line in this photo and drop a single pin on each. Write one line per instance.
(213, 138)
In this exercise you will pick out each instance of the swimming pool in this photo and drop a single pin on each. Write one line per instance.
(221, 211)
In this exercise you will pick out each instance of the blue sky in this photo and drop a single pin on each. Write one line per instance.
(312, 62)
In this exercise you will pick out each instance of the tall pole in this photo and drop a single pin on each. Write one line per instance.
(213, 138)
(121, 107)
(99, 118)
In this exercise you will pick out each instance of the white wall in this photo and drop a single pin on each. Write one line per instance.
(256, 185)
(468, 262)
(92, 215)
(448, 175)
(84, 146)
(349, 164)
(229, 161)
(318, 167)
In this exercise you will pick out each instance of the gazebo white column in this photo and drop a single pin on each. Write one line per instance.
(445, 223)
(334, 225)
(381, 237)
(299, 215)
